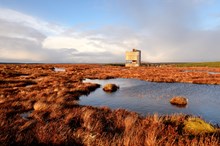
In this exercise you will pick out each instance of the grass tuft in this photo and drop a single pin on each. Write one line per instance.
(198, 126)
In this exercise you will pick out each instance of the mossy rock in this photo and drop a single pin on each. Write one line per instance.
(110, 88)
(179, 101)
(198, 126)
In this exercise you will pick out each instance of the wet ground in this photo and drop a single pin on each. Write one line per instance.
(39, 105)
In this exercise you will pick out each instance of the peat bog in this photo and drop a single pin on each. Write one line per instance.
(40, 106)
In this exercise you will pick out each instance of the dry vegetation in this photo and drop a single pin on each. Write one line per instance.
(38, 106)
(179, 101)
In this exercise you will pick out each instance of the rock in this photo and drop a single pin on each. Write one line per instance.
(110, 88)
(178, 100)
(40, 106)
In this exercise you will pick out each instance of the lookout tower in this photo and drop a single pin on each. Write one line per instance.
(133, 58)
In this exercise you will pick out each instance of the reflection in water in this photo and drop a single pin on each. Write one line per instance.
(150, 97)
(59, 69)
(25, 115)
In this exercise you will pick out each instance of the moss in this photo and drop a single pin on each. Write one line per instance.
(198, 126)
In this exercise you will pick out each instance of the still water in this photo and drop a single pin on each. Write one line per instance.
(150, 97)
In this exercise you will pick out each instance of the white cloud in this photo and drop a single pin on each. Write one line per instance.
(20, 55)
(163, 30)
(44, 27)
(107, 39)
(81, 44)
(173, 30)
(21, 38)
(24, 38)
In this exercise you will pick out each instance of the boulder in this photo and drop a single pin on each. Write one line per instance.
(179, 101)
(39, 106)
(110, 88)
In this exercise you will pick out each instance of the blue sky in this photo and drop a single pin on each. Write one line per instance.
(100, 31)
(68, 12)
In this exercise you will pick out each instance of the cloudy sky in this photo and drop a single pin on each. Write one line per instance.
(100, 31)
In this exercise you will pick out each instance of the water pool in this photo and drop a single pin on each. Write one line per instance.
(150, 97)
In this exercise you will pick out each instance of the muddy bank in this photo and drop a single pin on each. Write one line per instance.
(49, 100)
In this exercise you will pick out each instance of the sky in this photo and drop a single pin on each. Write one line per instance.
(101, 31)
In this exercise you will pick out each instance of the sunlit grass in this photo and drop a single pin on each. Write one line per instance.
(199, 64)
(56, 118)
(198, 126)
(189, 64)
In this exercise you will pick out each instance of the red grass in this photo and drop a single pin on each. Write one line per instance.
(63, 122)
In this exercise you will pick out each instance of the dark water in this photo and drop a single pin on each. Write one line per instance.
(150, 97)
(26, 115)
